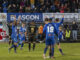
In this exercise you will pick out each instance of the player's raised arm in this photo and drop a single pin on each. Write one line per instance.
(62, 20)
(15, 19)
(14, 22)
(19, 19)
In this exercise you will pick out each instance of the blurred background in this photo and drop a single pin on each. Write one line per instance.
(40, 6)
(39, 10)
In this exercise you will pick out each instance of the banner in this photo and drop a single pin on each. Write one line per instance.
(47, 15)
(68, 17)
(79, 17)
(3, 26)
(25, 16)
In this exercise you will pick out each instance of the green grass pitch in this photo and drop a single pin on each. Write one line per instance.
(71, 50)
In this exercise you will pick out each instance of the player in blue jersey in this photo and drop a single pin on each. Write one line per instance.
(23, 29)
(14, 36)
(57, 25)
(49, 31)
(22, 35)
(60, 34)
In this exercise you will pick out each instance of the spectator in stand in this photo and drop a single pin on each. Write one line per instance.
(57, 8)
(0, 9)
(41, 11)
(74, 6)
(1, 1)
(21, 9)
(27, 2)
(35, 10)
(47, 5)
(9, 8)
(5, 3)
(79, 7)
(22, 3)
(12, 1)
(37, 3)
(28, 9)
(57, 2)
(14, 8)
(74, 30)
(52, 8)
(32, 6)
(62, 8)
(47, 10)
(66, 8)
(5, 9)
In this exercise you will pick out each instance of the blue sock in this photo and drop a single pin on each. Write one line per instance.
(45, 50)
(60, 50)
(52, 51)
(15, 47)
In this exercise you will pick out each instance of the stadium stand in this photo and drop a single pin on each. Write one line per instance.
(41, 6)
(62, 6)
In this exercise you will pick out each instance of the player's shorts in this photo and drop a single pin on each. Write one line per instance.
(32, 38)
(50, 41)
(15, 40)
(56, 39)
(21, 41)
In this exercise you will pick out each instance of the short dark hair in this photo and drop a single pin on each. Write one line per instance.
(46, 19)
(50, 19)
(57, 19)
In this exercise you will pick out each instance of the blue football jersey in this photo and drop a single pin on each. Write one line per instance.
(60, 34)
(21, 37)
(49, 29)
(14, 33)
(22, 29)
(57, 25)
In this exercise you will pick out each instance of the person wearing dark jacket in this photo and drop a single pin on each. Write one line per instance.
(74, 30)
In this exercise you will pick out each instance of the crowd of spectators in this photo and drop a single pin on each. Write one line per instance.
(39, 6)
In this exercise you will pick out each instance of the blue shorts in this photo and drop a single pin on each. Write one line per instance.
(56, 39)
(15, 40)
(50, 41)
(21, 41)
